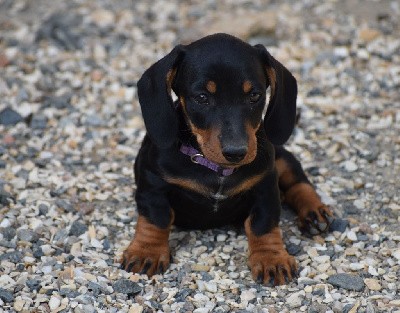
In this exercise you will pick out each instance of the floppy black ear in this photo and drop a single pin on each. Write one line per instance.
(280, 118)
(154, 91)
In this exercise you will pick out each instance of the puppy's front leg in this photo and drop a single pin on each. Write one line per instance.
(149, 253)
(269, 261)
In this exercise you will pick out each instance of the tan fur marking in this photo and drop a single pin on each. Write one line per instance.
(302, 197)
(246, 185)
(211, 86)
(252, 143)
(183, 103)
(285, 173)
(247, 86)
(150, 244)
(267, 255)
(272, 80)
(189, 184)
(170, 78)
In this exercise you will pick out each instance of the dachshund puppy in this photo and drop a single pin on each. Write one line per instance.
(211, 158)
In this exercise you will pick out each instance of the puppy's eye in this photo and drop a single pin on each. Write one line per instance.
(201, 99)
(254, 97)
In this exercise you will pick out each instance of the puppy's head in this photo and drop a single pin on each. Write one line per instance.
(221, 84)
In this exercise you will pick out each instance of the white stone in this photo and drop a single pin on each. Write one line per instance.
(47, 249)
(372, 271)
(352, 235)
(247, 295)
(341, 52)
(211, 286)
(372, 284)
(222, 237)
(322, 258)
(294, 300)
(323, 267)
(312, 252)
(54, 302)
(350, 166)
(19, 304)
(5, 223)
(46, 155)
(396, 254)
(201, 310)
(356, 266)
(359, 204)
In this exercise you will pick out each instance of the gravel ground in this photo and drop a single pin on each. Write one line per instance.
(70, 128)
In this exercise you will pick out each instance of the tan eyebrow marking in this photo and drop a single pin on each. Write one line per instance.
(211, 86)
(247, 86)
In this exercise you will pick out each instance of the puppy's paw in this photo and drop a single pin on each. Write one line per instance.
(315, 219)
(148, 260)
(273, 267)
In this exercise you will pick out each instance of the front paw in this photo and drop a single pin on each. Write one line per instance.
(315, 220)
(272, 267)
(148, 260)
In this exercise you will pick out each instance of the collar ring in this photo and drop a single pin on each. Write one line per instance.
(194, 156)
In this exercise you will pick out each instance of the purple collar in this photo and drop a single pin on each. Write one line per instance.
(197, 158)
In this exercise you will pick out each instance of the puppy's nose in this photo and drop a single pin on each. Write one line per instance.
(234, 154)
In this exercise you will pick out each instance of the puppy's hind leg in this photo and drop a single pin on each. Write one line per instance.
(314, 216)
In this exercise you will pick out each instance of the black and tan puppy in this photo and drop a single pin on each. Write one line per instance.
(212, 159)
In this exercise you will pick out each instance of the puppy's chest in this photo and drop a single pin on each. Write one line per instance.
(217, 189)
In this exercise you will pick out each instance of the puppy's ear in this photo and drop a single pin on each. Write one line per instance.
(154, 91)
(280, 118)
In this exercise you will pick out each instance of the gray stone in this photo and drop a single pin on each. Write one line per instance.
(10, 117)
(127, 286)
(15, 256)
(339, 225)
(65, 205)
(8, 233)
(69, 293)
(27, 235)
(84, 299)
(77, 229)
(94, 120)
(33, 284)
(347, 281)
(38, 122)
(43, 209)
(6, 296)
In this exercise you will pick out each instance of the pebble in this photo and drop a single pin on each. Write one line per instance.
(65, 205)
(6, 296)
(127, 287)
(9, 117)
(201, 310)
(247, 295)
(346, 281)
(77, 229)
(38, 122)
(295, 299)
(339, 225)
(350, 166)
(372, 284)
(19, 304)
(351, 235)
(54, 302)
(27, 235)
(396, 254)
